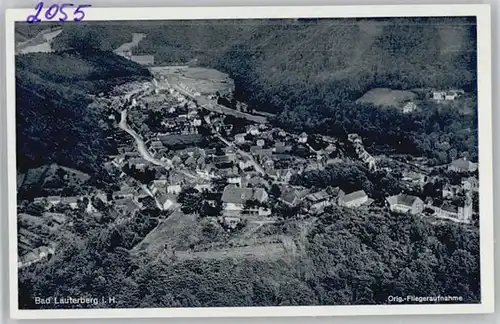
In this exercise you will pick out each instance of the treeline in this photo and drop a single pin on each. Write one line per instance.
(351, 258)
(53, 122)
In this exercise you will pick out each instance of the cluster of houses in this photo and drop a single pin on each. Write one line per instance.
(281, 154)
(438, 96)
(315, 202)
(53, 201)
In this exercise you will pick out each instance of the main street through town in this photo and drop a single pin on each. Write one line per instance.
(141, 147)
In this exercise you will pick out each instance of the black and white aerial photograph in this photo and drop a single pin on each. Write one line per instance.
(247, 163)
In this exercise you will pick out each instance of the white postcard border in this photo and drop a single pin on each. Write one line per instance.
(482, 12)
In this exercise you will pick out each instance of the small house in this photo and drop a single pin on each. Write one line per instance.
(353, 199)
(318, 200)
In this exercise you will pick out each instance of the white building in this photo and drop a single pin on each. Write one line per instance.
(405, 204)
(354, 199)
(174, 189)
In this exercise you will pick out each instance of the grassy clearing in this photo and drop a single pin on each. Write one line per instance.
(385, 97)
(170, 232)
(264, 251)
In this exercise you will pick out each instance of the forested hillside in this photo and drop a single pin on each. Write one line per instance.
(312, 71)
(363, 53)
(351, 258)
(53, 122)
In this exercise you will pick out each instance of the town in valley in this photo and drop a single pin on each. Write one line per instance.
(183, 153)
(195, 173)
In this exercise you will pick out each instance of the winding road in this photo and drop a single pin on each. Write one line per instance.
(141, 146)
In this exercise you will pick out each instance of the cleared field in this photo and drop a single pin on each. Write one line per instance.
(169, 233)
(196, 79)
(52, 177)
(385, 97)
(264, 251)
(32, 177)
(270, 247)
(42, 43)
(136, 38)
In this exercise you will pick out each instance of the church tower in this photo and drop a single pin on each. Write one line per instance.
(466, 211)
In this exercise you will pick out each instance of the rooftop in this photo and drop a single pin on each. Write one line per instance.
(353, 196)
(236, 195)
(402, 199)
(318, 196)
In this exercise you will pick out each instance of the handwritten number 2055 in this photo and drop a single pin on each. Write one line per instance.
(53, 10)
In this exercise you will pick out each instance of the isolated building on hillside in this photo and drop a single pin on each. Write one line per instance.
(450, 96)
(463, 165)
(405, 204)
(354, 199)
(143, 59)
(409, 107)
(438, 95)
